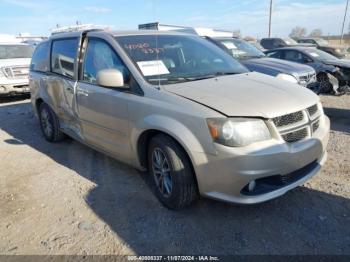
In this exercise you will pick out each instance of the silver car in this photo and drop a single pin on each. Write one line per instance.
(181, 108)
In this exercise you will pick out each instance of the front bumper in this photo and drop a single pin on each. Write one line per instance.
(226, 175)
(14, 88)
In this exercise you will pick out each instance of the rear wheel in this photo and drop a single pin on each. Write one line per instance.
(172, 173)
(49, 124)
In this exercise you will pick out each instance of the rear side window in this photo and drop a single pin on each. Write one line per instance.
(40, 59)
(63, 56)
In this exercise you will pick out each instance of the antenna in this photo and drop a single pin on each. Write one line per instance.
(156, 36)
(342, 29)
(270, 18)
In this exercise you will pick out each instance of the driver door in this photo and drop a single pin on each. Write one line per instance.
(103, 112)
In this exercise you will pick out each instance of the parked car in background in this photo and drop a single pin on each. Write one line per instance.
(320, 43)
(33, 43)
(182, 108)
(256, 60)
(257, 45)
(333, 74)
(272, 43)
(14, 68)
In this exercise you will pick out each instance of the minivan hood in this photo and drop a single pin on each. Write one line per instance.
(251, 95)
(15, 62)
(279, 65)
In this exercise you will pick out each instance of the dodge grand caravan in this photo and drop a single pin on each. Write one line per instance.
(181, 108)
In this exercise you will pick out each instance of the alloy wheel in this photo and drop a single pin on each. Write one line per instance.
(162, 172)
(46, 122)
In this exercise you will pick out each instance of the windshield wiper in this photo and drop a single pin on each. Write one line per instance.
(251, 56)
(225, 73)
(191, 78)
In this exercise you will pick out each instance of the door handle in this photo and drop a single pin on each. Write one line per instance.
(70, 89)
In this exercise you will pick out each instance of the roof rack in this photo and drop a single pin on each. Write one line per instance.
(78, 28)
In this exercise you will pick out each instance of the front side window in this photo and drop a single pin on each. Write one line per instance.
(15, 51)
(63, 56)
(294, 56)
(173, 58)
(99, 55)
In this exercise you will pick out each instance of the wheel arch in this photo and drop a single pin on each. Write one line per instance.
(38, 102)
(143, 143)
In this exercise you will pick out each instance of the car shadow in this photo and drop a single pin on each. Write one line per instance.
(340, 119)
(304, 221)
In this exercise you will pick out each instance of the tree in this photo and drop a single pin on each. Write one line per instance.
(298, 32)
(316, 33)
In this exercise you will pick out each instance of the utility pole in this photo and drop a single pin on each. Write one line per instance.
(270, 18)
(342, 29)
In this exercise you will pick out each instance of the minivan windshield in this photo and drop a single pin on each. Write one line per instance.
(240, 49)
(15, 51)
(167, 59)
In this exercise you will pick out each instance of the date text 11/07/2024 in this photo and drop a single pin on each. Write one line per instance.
(173, 258)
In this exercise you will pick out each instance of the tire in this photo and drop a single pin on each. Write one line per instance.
(178, 187)
(49, 124)
(325, 86)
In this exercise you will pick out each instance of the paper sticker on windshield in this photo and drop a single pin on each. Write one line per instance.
(229, 45)
(314, 54)
(151, 68)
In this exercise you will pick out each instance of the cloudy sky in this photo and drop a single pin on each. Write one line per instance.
(250, 16)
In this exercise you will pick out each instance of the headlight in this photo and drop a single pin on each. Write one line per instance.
(237, 132)
(338, 50)
(287, 77)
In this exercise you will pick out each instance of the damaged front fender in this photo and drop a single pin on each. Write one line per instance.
(334, 82)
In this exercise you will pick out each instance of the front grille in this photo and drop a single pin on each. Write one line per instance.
(312, 110)
(299, 125)
(289, 119)
(315, 126)
(16, 71)
(295, 136)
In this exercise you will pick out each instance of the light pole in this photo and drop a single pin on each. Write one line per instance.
(342, 29)
(270, 18)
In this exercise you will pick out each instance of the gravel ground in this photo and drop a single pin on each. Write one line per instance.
(68, 199)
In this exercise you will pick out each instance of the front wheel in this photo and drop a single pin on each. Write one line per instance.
(325, 85)
(172, 173)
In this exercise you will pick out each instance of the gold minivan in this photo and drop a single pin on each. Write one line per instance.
(181, 108)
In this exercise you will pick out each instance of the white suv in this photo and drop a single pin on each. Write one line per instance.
(14, 68)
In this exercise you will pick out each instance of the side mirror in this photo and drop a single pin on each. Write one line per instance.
(110, 78)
